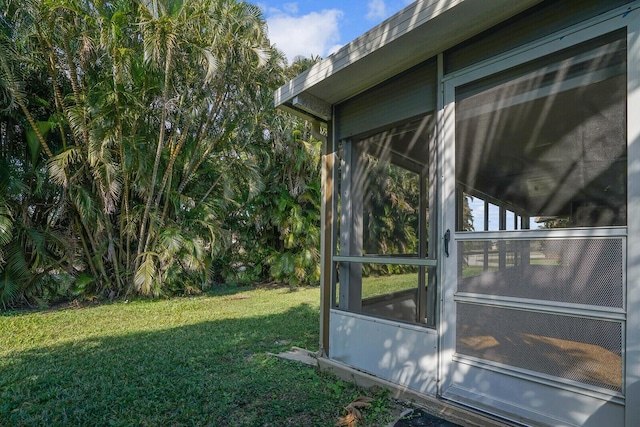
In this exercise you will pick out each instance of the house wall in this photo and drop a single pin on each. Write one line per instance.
(525, 28)
(407, 95)
(410, 354)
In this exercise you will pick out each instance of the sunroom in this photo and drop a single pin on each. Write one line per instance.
(481, 186)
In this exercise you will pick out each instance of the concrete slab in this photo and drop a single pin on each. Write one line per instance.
(298, 354)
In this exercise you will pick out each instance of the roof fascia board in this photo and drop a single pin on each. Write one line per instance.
(391, 30)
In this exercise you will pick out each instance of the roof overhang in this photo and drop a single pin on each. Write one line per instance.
(413, 35)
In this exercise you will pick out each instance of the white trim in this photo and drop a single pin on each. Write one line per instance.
(418, 327)
(381, 35)
(543, 306)
(449, 264)
(437, 247)
(554, 233)
(411, 36)
(386, 260)
(632, 336)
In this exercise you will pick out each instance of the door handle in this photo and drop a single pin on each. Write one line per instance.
(447, 237)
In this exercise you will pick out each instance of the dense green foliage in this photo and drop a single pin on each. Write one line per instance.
(140, 153)
(172, 362)
(277, 232)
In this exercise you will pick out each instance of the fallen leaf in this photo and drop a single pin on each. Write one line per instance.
(347, 421)
(361, 402)
(354, 416)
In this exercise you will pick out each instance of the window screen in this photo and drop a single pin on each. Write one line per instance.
(579, 349)
(544, 144)
(574, 271)
(384, 223)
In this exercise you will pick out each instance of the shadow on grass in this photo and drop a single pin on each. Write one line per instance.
(214, 373)
(221, 290)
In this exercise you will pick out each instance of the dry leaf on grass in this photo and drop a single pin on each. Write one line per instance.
(361, 402)
(348, 420)
(354, 416)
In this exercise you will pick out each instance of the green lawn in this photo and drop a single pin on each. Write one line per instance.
(373, 286)
(185, 361)
(381, 285)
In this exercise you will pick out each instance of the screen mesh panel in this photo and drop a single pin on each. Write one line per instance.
(588, 351)
(578, 271)
(547, 139)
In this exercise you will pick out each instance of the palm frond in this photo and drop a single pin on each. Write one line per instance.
(263, 54)
(172, 240)
(6, 225)
(83, 202)
(14, 273)
(76, 118)
(211, 63)
(60, 164)
(145, 277)
(9, 288)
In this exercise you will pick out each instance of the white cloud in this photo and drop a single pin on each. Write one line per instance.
(312, 34)
(377, 9)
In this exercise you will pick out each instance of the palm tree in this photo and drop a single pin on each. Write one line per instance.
(208, 112)
(151, 110)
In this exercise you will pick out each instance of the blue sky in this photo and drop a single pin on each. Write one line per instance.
(313, 27)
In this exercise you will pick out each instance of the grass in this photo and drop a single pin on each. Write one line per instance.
(373, 286)
(381, 285)
(181, 362)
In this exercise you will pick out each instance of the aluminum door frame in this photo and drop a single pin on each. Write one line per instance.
(554, 405)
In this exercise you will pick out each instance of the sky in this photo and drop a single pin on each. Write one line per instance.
(313, 27)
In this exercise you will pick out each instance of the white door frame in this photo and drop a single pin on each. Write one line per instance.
(557, 402)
